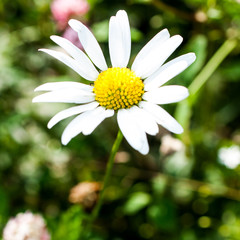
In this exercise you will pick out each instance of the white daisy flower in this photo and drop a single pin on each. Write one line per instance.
(133, 94)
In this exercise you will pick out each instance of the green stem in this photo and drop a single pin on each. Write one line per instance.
(110, 163)
(184, 109)
(212, 65)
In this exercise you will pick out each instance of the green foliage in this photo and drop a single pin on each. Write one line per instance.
(163, 215)
(190, 194)
(136, 202)
(70, 224)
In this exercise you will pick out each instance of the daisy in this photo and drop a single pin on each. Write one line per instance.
(133, 94)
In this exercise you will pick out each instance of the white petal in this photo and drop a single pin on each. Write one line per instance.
(63, 85)
(144, 120)
(69, 95)
(89, 44)
(149, 48)
(166, 94)
(126, 33)
(75, 126)
(169, 70)
(70, 112)
(162, 117)
(145, 147)
(119, 39)
(85, 122)
(70, 62)
(135, 136)
(96, 119)
(115, 43)
(77, 54)
(150, 63)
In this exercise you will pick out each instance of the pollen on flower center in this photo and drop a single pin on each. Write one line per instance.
(118, 88)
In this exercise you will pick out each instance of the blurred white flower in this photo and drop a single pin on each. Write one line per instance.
(133, 94)
(229, 156)
(26, 226)
(170, 145)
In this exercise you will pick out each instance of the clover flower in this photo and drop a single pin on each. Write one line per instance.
(26, 226)
(133, 94)
(62, 10)
(229, 156)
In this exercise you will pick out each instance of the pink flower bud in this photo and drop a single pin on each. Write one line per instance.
(72, 36)
(62, 10)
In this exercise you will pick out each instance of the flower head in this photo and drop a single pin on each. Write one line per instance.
(26, 226)
(132, 93)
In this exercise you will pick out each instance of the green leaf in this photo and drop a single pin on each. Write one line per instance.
(163, 215)
(100, 31)
(70, 224)
(136, 35)
(136, 202)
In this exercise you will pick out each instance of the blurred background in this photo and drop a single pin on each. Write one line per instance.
(187, 187)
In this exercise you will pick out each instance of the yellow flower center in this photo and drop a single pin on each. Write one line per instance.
(118, 88)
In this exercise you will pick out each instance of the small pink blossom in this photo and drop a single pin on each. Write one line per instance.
(26, 226)
(72, 36)
(62, 10)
